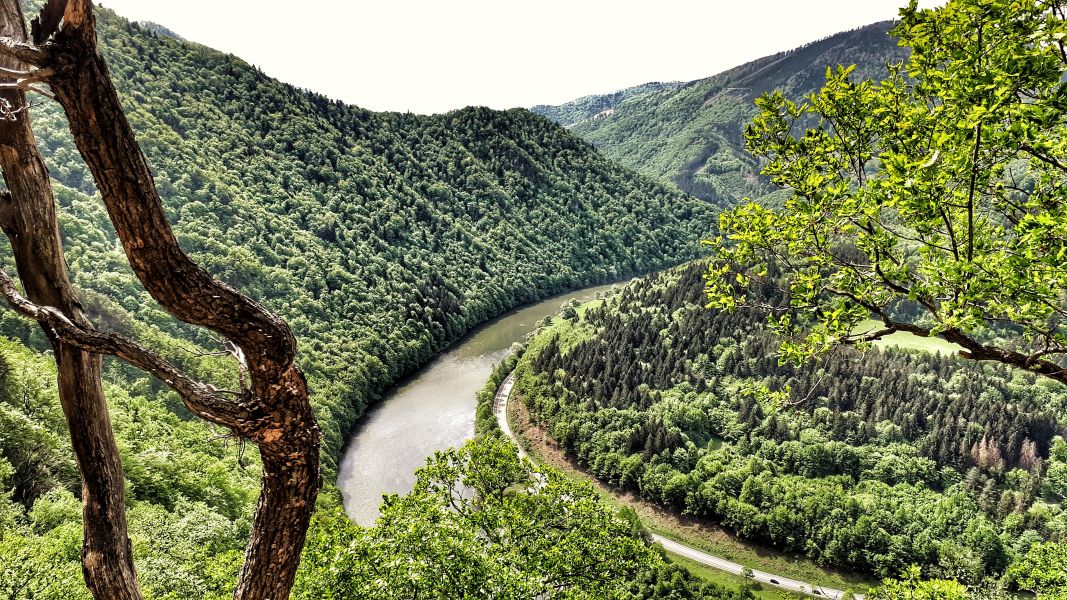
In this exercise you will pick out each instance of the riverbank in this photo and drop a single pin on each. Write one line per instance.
(433, 409)
(729, 554)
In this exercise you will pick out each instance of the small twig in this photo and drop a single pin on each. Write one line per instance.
(225, 436)
(230, 392)
(36, 74)
(37, 90)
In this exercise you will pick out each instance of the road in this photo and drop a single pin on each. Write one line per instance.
(500, 409)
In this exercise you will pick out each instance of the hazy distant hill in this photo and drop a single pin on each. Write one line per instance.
(599, 105)
(691, 134)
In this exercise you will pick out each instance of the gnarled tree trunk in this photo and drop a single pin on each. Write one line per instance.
(278, 415)
(273, 410)
(28, 217)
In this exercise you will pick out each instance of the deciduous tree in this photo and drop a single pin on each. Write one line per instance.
(934, 200)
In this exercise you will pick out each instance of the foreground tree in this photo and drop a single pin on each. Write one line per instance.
(271, 409)
(1043, 570)
(912, 587)
(934, 201)
(482, 522)
(28, 218)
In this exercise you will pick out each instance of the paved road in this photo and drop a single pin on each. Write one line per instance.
(500, 409)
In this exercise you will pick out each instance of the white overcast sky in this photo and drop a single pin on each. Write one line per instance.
(436, 55)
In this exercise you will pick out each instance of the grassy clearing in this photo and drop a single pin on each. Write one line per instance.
(903, 339)
(580, 309)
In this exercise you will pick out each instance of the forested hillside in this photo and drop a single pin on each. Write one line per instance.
(872, 462)
(380, 237)
(599, 105)
(692, 135)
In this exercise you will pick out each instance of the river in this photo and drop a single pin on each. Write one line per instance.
(432, 410)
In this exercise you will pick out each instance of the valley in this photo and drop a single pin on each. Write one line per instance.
(380, 237)
(432, 410)
(261, 343)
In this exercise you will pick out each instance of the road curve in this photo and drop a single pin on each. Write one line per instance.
(500, 409)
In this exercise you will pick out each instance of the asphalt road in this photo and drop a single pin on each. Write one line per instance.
(500, 409)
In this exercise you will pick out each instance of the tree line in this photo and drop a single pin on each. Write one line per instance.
(868, 461)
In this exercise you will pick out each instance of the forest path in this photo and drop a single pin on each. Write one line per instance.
(500, 410)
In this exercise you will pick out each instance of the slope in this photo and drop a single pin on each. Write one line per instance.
(380, 237)
(870, 462)
(693, 135)
(599, 105)
(365, 228)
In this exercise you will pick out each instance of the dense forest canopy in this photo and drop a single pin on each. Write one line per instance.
(529, 532)
(598, 106)
(380, 238)
(875, 461)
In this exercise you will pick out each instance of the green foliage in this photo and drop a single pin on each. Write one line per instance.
(33, 438)
(598, 106)
(911, 587)
(1042, 570)
(692, 134)
(869, 462)
(1056, 476)
(190, 504)
(483, 523)
(40, 556)
(935, 199)
(380, 237)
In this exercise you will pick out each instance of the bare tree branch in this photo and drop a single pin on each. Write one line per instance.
(22, 51)
(276, 413)
(198, 397)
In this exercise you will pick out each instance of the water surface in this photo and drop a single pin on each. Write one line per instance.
(433, 410)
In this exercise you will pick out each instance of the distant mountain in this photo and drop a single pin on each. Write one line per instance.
(599, 105)
(692, 134)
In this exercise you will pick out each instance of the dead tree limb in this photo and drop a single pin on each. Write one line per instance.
(28, 218)
(277, 415)
(274, 412)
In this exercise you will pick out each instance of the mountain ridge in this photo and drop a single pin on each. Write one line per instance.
(590, 106)
(692, 135)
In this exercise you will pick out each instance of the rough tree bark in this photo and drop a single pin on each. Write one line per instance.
(28, 218)
(273, 411)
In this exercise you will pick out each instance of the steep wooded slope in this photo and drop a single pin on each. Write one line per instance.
(380, 237)
(872, 462)
(599, 105)
(693, 135)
